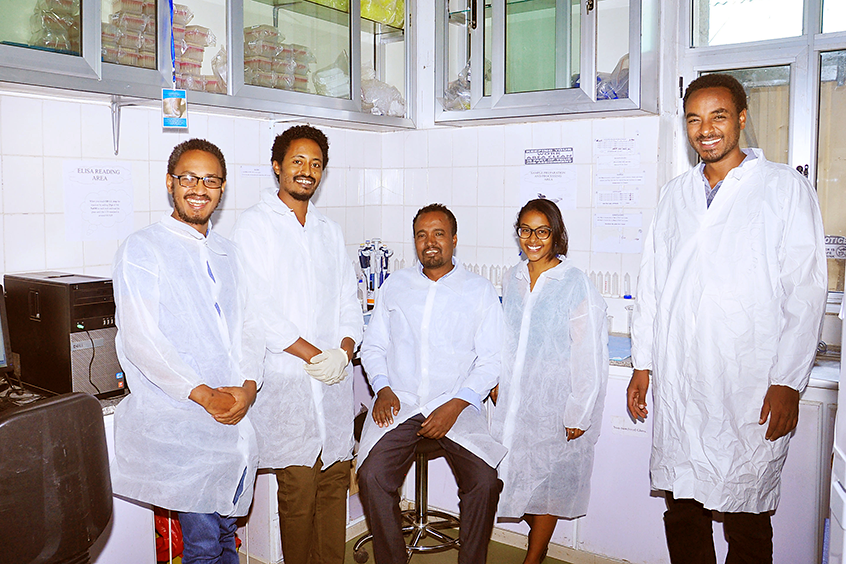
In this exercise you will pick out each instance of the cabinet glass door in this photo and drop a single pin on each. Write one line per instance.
(299, 45)
(128, 32)
(466, 45)
(52, 36)
(541, 45)
(383, 58)
(48, 25)
(831, 160)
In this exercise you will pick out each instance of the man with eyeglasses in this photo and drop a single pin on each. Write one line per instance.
(305, 285)
(432, 354)
(191, 352)
(731, 294)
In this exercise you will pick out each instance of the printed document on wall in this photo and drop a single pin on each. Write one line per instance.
(618, 233)
(98, 200)
(549, 174)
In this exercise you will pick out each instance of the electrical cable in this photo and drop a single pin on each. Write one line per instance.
(91, 362)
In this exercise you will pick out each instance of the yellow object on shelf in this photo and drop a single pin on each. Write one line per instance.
(389, 12)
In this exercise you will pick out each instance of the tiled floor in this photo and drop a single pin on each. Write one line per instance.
(497, 554)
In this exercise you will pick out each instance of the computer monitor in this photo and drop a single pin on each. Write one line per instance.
(5, 346)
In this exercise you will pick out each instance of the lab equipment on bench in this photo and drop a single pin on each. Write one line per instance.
(374, 260)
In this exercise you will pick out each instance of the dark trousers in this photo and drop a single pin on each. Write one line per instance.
(690, 539)
(383, 473)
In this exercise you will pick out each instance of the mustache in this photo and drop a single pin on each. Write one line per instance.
(195, 195)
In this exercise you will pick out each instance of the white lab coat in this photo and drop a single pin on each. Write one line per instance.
(555, 371)
(730, 301)
(433, 340)
(304, 284)
(168, 450)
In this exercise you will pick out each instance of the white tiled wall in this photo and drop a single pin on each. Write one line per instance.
(374, 184)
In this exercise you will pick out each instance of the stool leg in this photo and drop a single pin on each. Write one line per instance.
(421, 490)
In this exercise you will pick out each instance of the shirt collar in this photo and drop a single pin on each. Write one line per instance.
(752, 155)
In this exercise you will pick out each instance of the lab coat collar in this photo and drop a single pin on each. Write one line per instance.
(556, 272)
(184, 230)
(456, 266)
(270, 196)
(753, 157)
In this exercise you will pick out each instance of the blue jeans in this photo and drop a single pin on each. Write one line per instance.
(209, 538)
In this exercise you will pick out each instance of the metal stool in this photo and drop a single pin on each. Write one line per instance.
(420, 519)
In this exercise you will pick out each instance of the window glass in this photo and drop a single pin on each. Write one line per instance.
(612, 49)
(287, 45)
(541, 45)
(457, 67)
(128, 32)
(723, 22)
(831, 156)
(833, 16)
(199, 39)
(768, 113)
(382, 58)
(52, 25)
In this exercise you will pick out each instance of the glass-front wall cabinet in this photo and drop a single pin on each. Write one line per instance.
(532, 55)
(341, 59)
(332, 53)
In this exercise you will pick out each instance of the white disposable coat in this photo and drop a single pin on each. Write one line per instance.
(169, 282)
(432, 340)
(730, 300)
(555, 371)
(304, 284)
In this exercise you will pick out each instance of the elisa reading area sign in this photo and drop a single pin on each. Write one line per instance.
(174, 109)
(98, 200)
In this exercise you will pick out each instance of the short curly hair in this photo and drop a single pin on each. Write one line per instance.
(560, 240)
(717, 80)
(195, 145)
(440, 208)
(283, 141)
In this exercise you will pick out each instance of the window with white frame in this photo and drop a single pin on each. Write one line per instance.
(790, 55)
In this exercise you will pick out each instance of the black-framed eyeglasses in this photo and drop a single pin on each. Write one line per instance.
(190, 180)
(542, 233)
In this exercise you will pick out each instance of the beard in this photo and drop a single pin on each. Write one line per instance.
(182, 212)
(303, 194)
(434, 261)
(716, 155)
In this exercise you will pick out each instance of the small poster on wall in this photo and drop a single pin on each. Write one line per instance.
(98, 200)
(174, 109)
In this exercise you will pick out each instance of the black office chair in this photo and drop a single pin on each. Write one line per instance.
(55, 489)
(421, 521)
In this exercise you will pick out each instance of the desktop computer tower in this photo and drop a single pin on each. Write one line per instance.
(63, 327)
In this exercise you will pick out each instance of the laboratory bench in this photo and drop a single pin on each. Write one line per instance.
(624, 518)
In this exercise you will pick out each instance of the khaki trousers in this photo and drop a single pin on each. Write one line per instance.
(313, 512)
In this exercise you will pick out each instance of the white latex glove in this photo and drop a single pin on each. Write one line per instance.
(329, 366)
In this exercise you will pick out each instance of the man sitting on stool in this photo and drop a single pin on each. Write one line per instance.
(432, 353)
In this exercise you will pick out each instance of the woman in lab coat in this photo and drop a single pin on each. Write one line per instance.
(552, 390)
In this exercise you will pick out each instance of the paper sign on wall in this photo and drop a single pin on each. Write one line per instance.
(618, 233)
(98, 200)
(547, 173)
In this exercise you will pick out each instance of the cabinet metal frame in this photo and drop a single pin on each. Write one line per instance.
(550, 104)
(87, 73)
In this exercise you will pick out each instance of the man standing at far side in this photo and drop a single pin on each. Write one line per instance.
(730, 300)
(191, 351)
(305, 287)
(432, 353)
